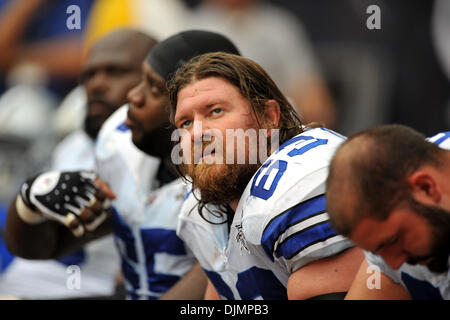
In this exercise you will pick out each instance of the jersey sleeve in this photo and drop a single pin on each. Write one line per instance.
(374, 260)
(285, 211)
(441, 139)
(302, 235)
(130, 173)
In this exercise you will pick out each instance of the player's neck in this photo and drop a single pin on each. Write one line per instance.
(166, 172)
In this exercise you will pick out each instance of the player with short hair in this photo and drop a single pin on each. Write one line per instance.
(388, 191)
(259, 230)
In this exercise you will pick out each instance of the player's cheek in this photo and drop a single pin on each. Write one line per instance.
(186, 148)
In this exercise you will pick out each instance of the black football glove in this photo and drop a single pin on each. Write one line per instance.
(60, 196)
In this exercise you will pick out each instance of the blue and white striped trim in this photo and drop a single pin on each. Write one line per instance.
(297, 228)
(439, 138)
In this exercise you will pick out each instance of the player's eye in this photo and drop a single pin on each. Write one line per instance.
(155, 90)
(217, 111)
(116, 70)
(393, 241)
(185, 124)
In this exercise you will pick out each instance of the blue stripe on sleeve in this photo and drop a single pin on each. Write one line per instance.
(301, 240)
(443, 138)
(279, 224)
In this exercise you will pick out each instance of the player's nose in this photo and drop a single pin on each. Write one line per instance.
(136, 96)
(199, 130)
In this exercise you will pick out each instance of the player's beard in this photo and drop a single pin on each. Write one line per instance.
(93, 122)
(439, 219)
(220, 183)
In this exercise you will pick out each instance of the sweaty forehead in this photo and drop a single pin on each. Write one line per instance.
(213, 87)
(203, 92)
(198, 95)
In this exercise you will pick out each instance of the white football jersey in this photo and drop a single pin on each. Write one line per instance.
(145, 218)
(130, 173)
(420, 282)
(279, 226)
(74, 152)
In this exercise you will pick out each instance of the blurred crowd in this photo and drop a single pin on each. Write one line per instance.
(321, 54)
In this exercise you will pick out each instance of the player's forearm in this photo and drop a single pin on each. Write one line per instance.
(387, 290)
(58, 212)
(47, 240)
(211, 292)
(30, 241)
(328, 275)
(190, 287)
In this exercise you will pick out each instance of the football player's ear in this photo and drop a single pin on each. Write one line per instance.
(424, 188)
(272, 114)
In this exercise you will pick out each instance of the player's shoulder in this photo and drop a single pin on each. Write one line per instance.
(441, 139)
(291, 180)
(77, 140)
(298, 157)
(115, 122)
(119, 161)
(114, 134)
(417, 279)
(309, 146)
(294, 173)
(115, 139)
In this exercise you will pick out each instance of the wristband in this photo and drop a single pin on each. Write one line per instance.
(26, 214)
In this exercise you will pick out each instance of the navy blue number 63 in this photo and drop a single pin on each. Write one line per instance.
(272, 172)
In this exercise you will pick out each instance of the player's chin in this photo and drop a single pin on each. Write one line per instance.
(203, 172)
(136, 137)
(92, 126)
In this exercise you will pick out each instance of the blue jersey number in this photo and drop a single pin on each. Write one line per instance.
(258, 189)
(270, 178)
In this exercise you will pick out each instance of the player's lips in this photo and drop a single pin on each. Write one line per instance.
(209, 154)
(129, 123)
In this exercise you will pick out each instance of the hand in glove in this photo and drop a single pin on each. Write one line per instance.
(71, 198)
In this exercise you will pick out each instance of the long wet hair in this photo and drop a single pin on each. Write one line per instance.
(252, 81)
